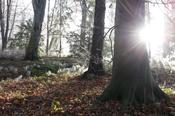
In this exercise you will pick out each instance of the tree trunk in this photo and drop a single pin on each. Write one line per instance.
(89, 24)
(132, 82)
(13, 20)
(166, 48)
(96, 64)
(5, 9)
(48, 28)
(83, 24)
(61, 24)
(52, 25)
(32, 48)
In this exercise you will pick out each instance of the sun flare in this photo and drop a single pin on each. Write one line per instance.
(153, 33)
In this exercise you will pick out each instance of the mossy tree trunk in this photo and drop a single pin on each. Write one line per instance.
(132, 82)
(39, 11)
(96, 64)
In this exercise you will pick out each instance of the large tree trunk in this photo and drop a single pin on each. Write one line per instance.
(96, 64)
(132, 81)
(32, 48)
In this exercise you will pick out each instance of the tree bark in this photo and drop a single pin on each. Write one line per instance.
(39, 11)
(96, 64)
(13, 20)
(132, 82)
(61, 24)
(48, 28)
(83, 23)
(5, 9)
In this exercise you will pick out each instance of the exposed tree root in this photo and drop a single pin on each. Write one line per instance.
(129, 93)
(90, 75)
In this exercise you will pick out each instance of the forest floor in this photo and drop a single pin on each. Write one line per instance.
(55, 95)
(67, 94)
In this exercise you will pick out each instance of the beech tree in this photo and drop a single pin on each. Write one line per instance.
(95, 63)
(132, 81)
(32, 48)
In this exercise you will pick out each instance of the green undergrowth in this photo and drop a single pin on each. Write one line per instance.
(42, 69)
(169, 91)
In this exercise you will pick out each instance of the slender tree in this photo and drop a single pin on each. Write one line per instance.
(83, 23)
(48, 29)
(60, 28)
(53, 25)
(13, 20)
(5, 13)
(39, 11)
(95, 63)
(58, 16)
(132, 81)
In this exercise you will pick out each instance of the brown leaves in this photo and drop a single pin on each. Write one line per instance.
(65, 96)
